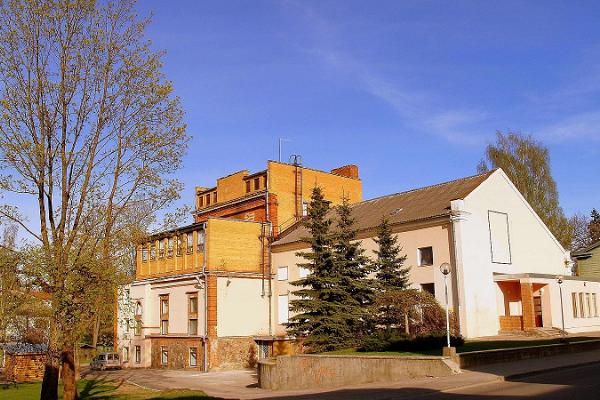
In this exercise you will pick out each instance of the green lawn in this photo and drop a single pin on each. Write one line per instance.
(101, 390)
(470, 345)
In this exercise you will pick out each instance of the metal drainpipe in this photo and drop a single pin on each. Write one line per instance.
(205, 275)
(268, 219)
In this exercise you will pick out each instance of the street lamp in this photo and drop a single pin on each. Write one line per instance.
(445, 270)
(562, 311)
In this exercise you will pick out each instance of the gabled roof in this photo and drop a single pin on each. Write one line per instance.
(586, 250)
(410, 206)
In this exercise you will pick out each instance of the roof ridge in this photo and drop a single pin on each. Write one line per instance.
(488, 173)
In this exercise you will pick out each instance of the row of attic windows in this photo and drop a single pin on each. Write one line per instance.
(184, 241)
(252, 185)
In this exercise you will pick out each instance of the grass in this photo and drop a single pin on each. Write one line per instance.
(470, 345)
(101, 390)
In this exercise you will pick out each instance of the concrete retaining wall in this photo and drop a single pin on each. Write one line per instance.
(476, 358)
(323, 371)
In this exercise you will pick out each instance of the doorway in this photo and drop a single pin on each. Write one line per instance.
(537, 309)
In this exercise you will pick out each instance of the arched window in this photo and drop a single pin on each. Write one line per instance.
(138, 309)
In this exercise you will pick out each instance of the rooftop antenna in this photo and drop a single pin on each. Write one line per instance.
(281, 141)
(296, 159)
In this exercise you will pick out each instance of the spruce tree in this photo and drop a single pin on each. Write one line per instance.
(353, 266)
(594, 226)
(389, 265)
(322, 306)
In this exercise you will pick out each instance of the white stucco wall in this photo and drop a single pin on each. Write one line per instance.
(533, 249)
(242, 310)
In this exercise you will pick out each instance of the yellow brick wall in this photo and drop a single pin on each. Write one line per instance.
(183, 264)
(282, 182)
(231, 187)
(233, 245)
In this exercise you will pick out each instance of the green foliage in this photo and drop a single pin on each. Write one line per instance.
(352, 266)
(527, 164)
(324, 309)
(389, 265)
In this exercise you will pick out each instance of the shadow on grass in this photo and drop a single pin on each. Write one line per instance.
(98, 389)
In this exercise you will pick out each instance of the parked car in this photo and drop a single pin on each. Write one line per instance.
(106, 361)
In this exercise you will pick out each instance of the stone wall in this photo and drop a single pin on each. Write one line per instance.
(476, 358)
(320, 371)
(27, 367)
(227, 353)
(178, 352)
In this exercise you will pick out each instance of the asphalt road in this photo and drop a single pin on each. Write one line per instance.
(572, 383)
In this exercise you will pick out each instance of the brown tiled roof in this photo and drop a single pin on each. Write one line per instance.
(413, 205)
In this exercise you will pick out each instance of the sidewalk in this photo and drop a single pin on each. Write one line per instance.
(242, 384)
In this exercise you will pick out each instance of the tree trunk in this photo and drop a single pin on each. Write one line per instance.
(96, 330)
(69, 372)
(51, 370)
(406, 327)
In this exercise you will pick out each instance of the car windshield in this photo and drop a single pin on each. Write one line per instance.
(101, 357)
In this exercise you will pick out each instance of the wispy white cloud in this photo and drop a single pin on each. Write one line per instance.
(579, 126)
(423, 111)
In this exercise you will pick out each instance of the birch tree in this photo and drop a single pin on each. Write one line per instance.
(89, 129)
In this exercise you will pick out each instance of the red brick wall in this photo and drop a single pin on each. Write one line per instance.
(511, 323)
(351, 171)
(527, 302)
(25, 367)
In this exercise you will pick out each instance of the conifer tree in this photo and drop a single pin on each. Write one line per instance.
(322, 306)
(352, 264)
(389, 265)
(594, 226)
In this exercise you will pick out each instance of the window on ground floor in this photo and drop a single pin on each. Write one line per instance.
(138, 354)
(125, 354)
(575, 307)
(428, 287)
(595, 304)
(193, 356)
(582, 312)
(164, 356)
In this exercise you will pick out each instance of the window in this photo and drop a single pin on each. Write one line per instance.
(180, 240)
(303, 272)
(200, 238)
(425, 256)
(256, 183)
(164, 315)
(138, 309)
(138, 354)
(170, 247)
(193, 314)
(164, 356)
(189, 247)
(193, 356)
(304, 208)
(144, 254)
(138, 328)
(125, 353)
(595, 304)
(127, 325)
(582, 312)
(200, 201)
(102, 357)
(208, 200)
(283, 308)
(575, 308)
(282, 273)
(161, 248)
(499, 237)
(153, 252)
(265, 181)
(428, 287)
(247, 186)
(214, 197)
(588, 301)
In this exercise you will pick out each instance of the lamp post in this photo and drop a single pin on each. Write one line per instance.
(445, 270)
(562, 311)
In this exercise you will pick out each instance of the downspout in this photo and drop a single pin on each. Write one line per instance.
(205, 275)
(270, 234)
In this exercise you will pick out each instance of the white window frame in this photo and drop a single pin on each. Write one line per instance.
(195, 355)
(282, 273)
(283, 309)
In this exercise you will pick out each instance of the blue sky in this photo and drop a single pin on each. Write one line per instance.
(409, 91)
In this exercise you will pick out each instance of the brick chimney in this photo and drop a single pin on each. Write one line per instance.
(350, 170)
